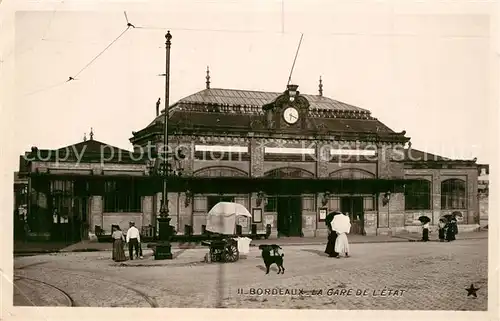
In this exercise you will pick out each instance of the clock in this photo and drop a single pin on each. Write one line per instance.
(291, 115)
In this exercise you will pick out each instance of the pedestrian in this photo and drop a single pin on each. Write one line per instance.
(342, 225)
(425, 232)
(441, 226)
(26, 229)
(133, 240)
(332, 235)
(451, 230)
(118, 241)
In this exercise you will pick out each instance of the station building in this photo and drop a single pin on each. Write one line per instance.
(288, 157)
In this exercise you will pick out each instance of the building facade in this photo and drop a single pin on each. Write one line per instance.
(483, 194)
(289, 158)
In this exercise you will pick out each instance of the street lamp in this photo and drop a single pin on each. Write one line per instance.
(163, 248)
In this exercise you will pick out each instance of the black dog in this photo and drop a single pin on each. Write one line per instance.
(271, 255)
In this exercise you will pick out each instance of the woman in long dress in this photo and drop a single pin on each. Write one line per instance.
(118, 244)
(341, 228)
(451, 230)
(332, 236)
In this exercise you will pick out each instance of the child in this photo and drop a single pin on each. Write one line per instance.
(425, 232)
(441, 225)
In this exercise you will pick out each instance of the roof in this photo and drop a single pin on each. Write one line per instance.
(415, 155)
(93, 146)
(252, 98)
(88, 150)
(221, 120)
(228, 110)
(236, 97)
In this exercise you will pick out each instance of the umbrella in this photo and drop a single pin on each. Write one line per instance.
(330, 216)
(448, 217)
(341, 223)
(424, 219)
(222, 217)
(457, 213)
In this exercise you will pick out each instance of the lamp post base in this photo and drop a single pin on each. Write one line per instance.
(163, 251)
(163, 248)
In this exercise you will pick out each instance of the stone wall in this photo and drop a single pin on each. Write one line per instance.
(483, 209)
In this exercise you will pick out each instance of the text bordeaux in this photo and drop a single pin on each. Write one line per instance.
(385, 292)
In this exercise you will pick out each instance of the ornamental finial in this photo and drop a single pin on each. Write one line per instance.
(208, 78)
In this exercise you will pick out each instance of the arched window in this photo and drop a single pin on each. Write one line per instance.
(289, 172)
(453, 195)
(418, 195)
(351, 173)
(220, 171)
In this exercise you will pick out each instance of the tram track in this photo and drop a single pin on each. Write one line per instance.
(29, 265)
(71, 301)
(150, 300)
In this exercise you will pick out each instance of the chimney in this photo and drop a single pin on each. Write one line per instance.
(158, 107)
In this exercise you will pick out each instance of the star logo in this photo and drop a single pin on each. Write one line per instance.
(472, 291)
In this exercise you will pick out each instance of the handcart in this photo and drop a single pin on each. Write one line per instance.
(221, 226)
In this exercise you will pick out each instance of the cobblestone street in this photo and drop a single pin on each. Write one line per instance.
(402, 276)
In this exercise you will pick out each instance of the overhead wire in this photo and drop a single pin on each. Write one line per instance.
(71, 78)
(33, 45)
(45, 88)
(102, 52)
(129, 25)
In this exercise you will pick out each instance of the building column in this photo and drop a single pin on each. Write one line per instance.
(391, 216)
(96, 210)
(147, 210)
(472, 200)
(256, 149)
(436, 196)
(322, 159)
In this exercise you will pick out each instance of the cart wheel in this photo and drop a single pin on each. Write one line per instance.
(231, 253)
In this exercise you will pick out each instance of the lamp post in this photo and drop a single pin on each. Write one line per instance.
(163, 247)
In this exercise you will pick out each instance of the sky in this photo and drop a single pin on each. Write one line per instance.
(426, 69)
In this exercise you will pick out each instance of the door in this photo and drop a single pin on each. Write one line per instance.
(353, 207)
(61, 211)
(289, 216)
(79, 226)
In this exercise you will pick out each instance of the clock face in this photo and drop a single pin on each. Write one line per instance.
(291, 115)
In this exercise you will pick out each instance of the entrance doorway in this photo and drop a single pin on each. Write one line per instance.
(289, 216)
(353, 206)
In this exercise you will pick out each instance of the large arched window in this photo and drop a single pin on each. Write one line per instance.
(351, 173)
(418, 195)
(289, 172)
(453, 195)
(220, 171)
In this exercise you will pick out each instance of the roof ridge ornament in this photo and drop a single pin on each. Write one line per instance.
(320, 87)
(91, 134)
(84, 137)
(208, 78)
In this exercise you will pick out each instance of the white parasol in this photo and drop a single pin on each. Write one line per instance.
(341, 223)
(222, 217)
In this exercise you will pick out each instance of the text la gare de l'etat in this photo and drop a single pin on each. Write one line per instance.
(385, 292)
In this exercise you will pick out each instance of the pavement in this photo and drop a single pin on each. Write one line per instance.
(378, 276)
(31, 248)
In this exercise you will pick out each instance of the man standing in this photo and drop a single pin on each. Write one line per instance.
(133, 240)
